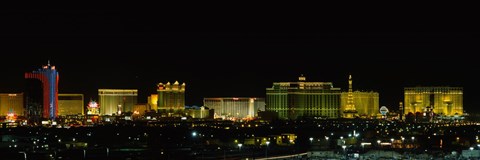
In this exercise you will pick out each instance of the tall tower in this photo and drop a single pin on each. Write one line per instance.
(48, 75)
(350, 110)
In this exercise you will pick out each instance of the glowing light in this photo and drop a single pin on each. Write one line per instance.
(93, 104)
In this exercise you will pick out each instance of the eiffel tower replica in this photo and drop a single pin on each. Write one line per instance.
(350, 111)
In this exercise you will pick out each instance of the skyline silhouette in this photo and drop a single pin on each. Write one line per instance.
(234, 57)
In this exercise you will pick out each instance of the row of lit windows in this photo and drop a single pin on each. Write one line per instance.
(233, 108)
(280, 101)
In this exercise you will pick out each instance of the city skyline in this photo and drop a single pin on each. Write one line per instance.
(93, 50)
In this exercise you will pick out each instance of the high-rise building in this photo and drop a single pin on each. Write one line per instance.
(447, 101)
(11, 103)
(303, 99)
(171, 97)
(48, 75)
(237, 108)
(117, 101)
(70, 104)
(366, 103)
(152, 102)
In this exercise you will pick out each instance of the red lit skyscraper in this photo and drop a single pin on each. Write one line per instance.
(49, 78)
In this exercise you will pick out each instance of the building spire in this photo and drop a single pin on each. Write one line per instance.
(350, 81)
(350, 94)
(350, 109)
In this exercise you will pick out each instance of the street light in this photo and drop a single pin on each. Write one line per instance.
(194, 134)
(239, 147)
(413, 141)
(328, 144)
(311, 139)
(266, 149)
(391, 140)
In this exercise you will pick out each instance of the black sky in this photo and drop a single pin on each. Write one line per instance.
(221, 55)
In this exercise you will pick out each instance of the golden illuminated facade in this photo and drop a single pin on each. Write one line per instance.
(303, 99)
(366, 103)
(201, 112)
(153, 102)
(70, 104)
(447, 101)
(140, 109)
(11, 103)
(235, 108)
(171, 97)
(117, 101)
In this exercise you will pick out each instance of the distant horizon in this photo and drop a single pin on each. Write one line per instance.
(237, 57)
(143, 100)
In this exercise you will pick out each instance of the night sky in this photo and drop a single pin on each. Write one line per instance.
(237, 55)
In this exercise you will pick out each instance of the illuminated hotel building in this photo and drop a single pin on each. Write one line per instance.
(237, 108)
(11, 103)
(303, 99)
(117, 101)
(152, 102)
(200, 112)
(70, 104)
(447, 101)
(362, 104)
(171, 97)
(366, 103)
(48, 75)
